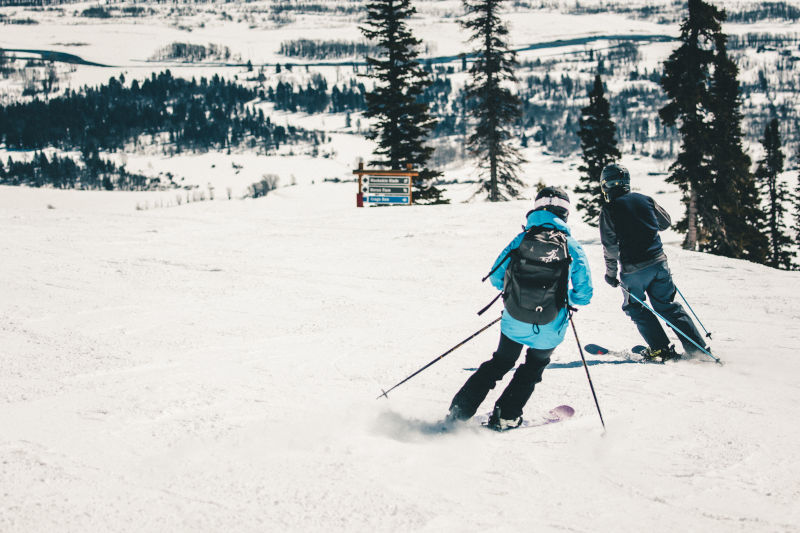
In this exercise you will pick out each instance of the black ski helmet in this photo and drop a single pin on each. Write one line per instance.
(554, 200)
(615, 180)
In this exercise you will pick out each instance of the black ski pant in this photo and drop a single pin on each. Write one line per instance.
(519, 390)
(655, 281)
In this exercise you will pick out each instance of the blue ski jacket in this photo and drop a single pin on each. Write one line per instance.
(550, 335)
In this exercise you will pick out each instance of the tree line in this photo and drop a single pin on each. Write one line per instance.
(315, 97)
(192, 52)
(279, 7)
(747, 14)
(194, 115)
(766, 11)
(175, 113)
(318, 49)
(64, 173)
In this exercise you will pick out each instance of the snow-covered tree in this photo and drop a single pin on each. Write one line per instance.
(403, 122)
(685, 81)
(728, 204)
(797, 204)
(495, 106)
(777, 195)
(598, 135)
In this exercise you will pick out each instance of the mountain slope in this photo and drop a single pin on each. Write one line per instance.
(215, 366)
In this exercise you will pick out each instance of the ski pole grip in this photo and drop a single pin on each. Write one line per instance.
(490, 304)
(498, 265)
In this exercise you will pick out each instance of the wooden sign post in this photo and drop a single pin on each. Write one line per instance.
(384, 187)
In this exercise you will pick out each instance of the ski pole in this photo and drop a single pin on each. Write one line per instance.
(586, 367)
(497, 266)
(676, 329)
(693, 313)
(490, 304)
(484, 328)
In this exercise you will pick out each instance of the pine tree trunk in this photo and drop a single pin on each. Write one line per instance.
(493, 132)
(493, 174)
(691, 219)
(773, 222)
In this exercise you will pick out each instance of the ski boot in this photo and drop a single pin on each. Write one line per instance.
(660, 355)
(453, 418)
(502, 424)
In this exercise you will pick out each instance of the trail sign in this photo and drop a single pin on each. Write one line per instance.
(384, 187)
(377, 189)
(385, 180)
(393, 200)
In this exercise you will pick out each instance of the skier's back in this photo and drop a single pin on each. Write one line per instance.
(629, 226)
(540, 337)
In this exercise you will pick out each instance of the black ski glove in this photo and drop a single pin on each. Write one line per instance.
(611, 280)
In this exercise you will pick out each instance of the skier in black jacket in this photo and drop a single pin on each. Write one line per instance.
(629, 226)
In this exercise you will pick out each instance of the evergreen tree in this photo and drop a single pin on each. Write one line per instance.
(685, 81)
(728, 206)
(402, 119)
(599, 148)
(797, 204)
(777, 194)
(495, 106)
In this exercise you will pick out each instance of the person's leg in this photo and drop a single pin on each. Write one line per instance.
(662, 295)
(645, 321)
(469, 398)
(526, 377)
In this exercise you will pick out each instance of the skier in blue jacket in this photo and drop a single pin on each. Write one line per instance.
(551, 209)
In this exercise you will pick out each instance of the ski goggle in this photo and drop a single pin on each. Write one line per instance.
(551, 200)
(610, 184)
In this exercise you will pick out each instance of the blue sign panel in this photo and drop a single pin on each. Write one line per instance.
(386, 199)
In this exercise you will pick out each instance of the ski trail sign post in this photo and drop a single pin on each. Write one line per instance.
(384, 187)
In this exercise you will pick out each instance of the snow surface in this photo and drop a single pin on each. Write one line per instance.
(214, 366)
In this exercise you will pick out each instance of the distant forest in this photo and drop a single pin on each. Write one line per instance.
(193, 52)
(765, 11)
(316, 49)
(191, 114)
(282, 7)
(553, 91)
(667, 13)
(173, 113)
(314, 97)
(65, 173)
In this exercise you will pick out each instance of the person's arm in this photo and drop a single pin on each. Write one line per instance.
(498, 276)
(662, 217)
(608, 236)
(580, 275)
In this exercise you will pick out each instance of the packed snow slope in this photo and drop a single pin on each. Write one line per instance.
(215, 367)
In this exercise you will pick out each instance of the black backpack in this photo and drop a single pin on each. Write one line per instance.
(536, 280)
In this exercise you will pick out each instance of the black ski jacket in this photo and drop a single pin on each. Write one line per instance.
(629, 227)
